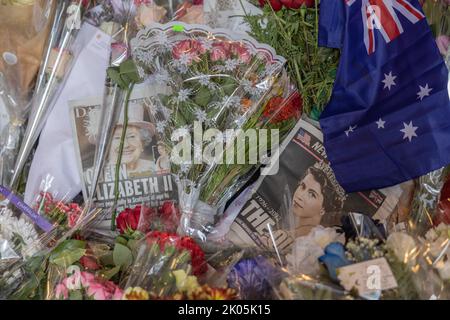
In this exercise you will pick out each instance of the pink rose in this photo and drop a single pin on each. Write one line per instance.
(98, 291)
(86, 279)
(192, 48)
(118, 294)
(241, 52)
(443, 43)
(220, 51)
(61, 291)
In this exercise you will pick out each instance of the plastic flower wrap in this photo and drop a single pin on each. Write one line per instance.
(129, 17)
(254, 278)
(221, 84)
(366, 265)
(425, 202)
(85, 270)
(166, 265)
(58, 58)
(25, 27)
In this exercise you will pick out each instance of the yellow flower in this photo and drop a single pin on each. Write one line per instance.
(185, 282)
(135, 293)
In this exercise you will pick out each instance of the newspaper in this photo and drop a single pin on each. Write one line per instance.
(303, 194)
(144, 175)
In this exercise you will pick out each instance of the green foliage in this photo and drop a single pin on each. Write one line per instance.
(293, 34)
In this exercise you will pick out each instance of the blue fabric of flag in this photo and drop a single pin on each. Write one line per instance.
(388, 119)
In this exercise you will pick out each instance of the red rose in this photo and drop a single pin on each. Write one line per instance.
(128, 219)
(275, 4)
(89, 262)
(182, 243)
(169, 210)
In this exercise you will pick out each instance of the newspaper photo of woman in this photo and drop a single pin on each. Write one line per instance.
(139, 134)
(163, 161)
(315, 196)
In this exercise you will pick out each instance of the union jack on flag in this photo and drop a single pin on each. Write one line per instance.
(382, 15)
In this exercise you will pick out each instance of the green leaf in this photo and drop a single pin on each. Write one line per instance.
(116, 78)
(203, 97)
(75, 295)
(68, 245)
(68, 257)
(108, 274)
(107, 259)
(122, 256)
(121, 240)
(128, 69)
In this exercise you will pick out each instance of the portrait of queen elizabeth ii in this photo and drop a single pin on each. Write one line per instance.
(138, 136)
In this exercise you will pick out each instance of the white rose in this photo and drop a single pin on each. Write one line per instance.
(324, 236)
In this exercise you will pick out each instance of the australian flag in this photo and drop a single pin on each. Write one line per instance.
(388, 119)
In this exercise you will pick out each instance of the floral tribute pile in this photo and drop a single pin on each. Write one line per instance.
(184, 82)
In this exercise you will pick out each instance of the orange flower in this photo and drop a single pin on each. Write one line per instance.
(135, 293)
(246, 104)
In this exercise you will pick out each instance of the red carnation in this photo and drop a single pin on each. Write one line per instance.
(279, 109)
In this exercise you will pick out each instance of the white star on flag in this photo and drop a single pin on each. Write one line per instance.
(350, 129)
(409, 130)
(389, 80)
(380, 123)
(424, 92)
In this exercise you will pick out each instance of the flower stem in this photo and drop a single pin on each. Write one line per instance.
(119, 156)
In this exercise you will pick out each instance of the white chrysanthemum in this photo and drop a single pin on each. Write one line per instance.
(200, 115)
(11, 228)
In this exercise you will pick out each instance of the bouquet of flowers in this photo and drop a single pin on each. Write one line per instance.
(291, 27)
(217, 82)
(129, 17)
(399, 267)
(167, 266)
